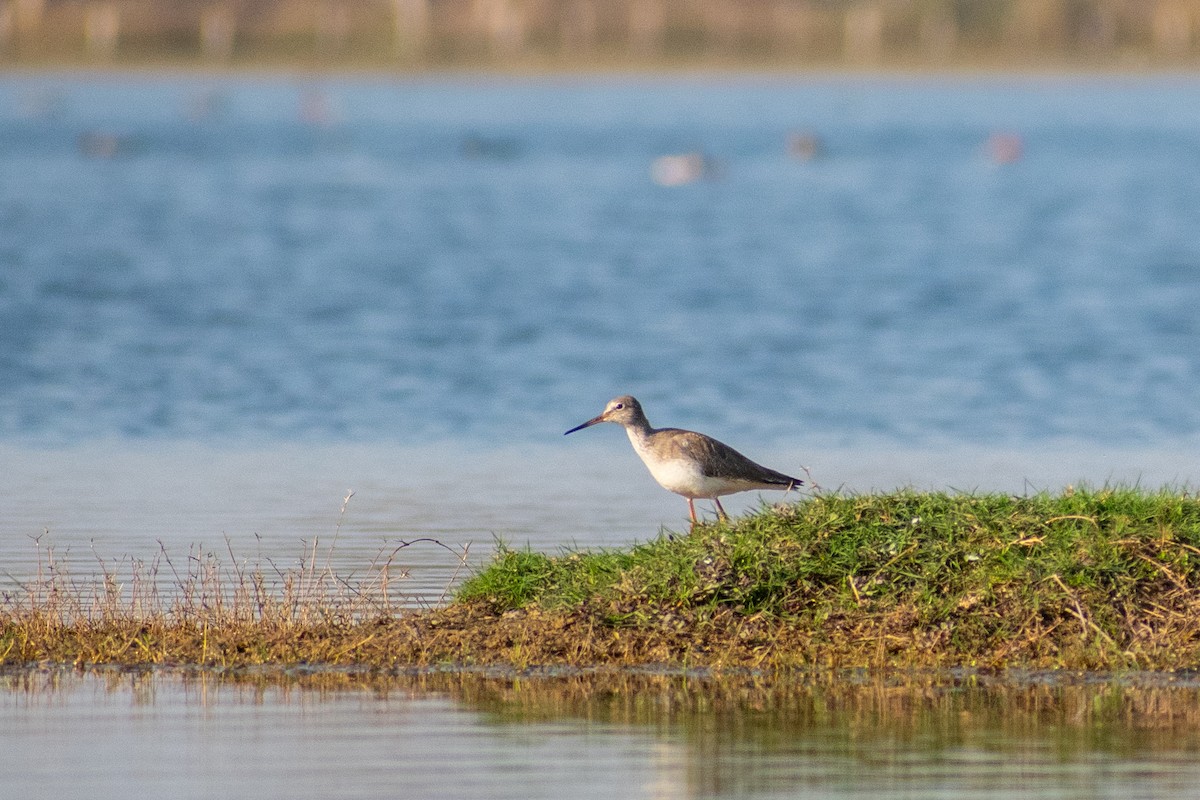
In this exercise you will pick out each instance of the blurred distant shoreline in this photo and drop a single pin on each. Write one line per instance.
(603, 36)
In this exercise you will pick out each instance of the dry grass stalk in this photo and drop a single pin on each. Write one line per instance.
(205, 608)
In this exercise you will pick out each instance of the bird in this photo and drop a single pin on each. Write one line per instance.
(688, 463)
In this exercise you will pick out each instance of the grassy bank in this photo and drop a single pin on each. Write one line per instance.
(1085, 580)
(1092, 579)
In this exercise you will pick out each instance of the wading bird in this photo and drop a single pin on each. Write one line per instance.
(689, 463)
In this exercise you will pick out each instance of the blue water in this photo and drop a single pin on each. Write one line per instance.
(271, 260)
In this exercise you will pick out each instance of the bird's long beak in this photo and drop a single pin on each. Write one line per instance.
(588, 424)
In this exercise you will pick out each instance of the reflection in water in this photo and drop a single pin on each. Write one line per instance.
(598, 735)
(929, 736)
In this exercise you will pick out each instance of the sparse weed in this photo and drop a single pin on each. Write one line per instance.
(203, 607)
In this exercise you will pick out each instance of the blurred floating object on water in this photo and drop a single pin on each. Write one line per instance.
(102, 144)
(804, 145)
(499, 148)
(683, 168)
(316, 108)
(1005, 148)
(205, 105)
(42, 104)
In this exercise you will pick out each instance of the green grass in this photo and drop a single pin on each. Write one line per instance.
(1103, 575)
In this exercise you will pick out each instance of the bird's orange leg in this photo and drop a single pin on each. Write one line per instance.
(720, 509)
(692, 509)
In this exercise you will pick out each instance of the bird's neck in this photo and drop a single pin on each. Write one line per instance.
(639, 433)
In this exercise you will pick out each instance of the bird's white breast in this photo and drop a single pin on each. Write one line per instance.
(684, 476)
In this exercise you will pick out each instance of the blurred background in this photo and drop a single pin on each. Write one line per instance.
(417, 34)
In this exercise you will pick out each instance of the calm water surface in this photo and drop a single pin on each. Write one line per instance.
(226, 302)
(468, 736)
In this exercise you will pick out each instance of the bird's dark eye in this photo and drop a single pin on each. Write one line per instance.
(619, 405)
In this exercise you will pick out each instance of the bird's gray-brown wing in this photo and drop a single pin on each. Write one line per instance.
(719, 460)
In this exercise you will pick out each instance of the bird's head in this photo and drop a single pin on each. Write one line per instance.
(623, 410)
